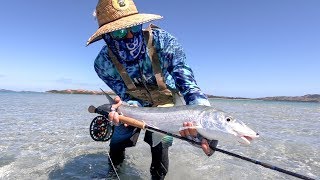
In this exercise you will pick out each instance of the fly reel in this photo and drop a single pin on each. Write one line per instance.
(101, 129)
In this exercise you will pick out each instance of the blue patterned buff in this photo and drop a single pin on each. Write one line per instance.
(177, 74)
(127, 50)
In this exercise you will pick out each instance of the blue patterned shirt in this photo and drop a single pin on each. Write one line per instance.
(177, 74)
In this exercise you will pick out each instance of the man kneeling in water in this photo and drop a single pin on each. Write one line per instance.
(144, 68)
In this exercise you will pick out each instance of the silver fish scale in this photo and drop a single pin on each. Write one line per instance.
(169, 119)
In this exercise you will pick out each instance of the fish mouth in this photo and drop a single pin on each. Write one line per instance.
(247, 139)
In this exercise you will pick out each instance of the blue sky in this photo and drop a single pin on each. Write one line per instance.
(247, 48)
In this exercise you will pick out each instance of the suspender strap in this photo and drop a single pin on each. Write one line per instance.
(122, 71)
(154, 58)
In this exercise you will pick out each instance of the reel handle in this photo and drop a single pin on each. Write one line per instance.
(126, 120)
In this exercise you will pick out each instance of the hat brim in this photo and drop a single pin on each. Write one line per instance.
(125, 22)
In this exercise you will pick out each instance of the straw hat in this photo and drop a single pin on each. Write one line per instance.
(113, 15)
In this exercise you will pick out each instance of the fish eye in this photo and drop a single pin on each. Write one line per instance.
(228, 119)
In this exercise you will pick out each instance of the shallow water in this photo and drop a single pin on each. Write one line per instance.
(46, 136)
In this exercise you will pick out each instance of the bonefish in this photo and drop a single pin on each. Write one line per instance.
(210, 123)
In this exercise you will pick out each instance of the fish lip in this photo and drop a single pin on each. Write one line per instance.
(247, 139)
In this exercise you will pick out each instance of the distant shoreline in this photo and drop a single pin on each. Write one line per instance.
(305, 98)
(79, 91)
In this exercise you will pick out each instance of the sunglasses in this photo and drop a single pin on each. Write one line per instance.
(121, 33)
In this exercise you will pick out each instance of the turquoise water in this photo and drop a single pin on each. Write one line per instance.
(46, 136)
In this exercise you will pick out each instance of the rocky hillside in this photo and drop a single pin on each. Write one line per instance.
(305, 98)
(78, 91)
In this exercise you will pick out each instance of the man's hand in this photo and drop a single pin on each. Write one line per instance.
(114, 115)
(193, 133)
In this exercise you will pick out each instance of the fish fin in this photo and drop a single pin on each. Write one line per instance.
(178, 99)
(110, 99)
(156, 138)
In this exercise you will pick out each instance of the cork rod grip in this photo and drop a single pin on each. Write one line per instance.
(123, 119)
(132, 122)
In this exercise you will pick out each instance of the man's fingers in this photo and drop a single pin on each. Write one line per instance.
(118, 102)
(110, 115)
(192, 130)
(182, 133)
(116, 118)
(186, 131)
(117, 99)
(113, 115)
(206, 148)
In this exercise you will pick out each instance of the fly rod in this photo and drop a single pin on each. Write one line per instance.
(144, 126)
